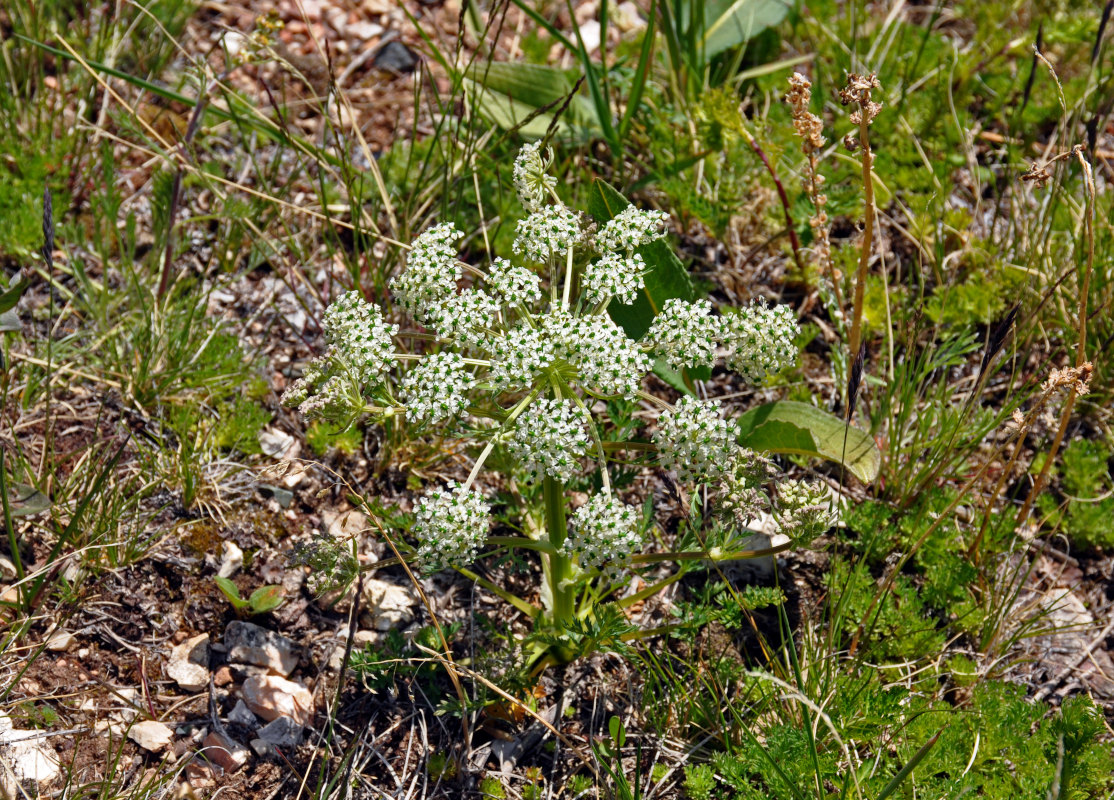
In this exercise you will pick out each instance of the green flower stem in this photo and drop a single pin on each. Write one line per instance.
(657, 401)
(649, 591)
(516, 601)
(560, 572)
(522, 406)
(710, 555)
(475, 362)
(594, 431)
(566, 294)
(522, 543)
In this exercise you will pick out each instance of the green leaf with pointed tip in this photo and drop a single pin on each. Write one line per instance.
(666, 276)
(801, 429)
(15, 291)
(266, 598)
(229, 590)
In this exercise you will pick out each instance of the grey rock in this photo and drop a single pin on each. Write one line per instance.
(396, 57)
(282, 732)
(250, 644)
(241, 715)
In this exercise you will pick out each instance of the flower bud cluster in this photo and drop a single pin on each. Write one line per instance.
(604, 534)
(531, 179)
(804, 510)
(550, 438)
(607, 361)
(519, 356)
(514, 285)
(431, 271)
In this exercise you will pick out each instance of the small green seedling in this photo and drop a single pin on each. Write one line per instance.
(262, 600)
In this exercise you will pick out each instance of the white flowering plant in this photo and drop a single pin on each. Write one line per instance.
(526, 358)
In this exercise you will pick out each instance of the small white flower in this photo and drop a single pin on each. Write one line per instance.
(550, 438)
(531, 181)
(604, 534)
(759, 339)
(695, 441)
(437, 388)
(431, 272)
(631, 228)
(607, 361)
(451, 525)
(615, 276)
(360, 339)
(464, 317)
(685, 334)
(547, 234)
(514, 285)
(518, 356)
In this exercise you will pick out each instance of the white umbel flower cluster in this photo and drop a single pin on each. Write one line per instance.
(531, 178)
(519, 356)
(432, 271)
(451, 525)
(359, 336)
(550, 438)
(632, 227)
(604, 534)
(615, 276)
(464, 317)
(548, 234)
(684, 334)
(695, 441)
(607, 361)
(437, 389)
(759, 339)
(514, 285)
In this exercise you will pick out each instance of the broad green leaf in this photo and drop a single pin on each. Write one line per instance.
(730, 23)
(266, 598)
(27, 500)
(15, 291)
(228, 588)
(789, 427)
(510, 94)
(665, 277)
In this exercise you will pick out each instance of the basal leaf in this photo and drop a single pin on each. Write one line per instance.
(730, 23)
(790, 427)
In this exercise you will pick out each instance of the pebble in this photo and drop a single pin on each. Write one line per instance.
(232, 559)
(151, 735)
(241, 715)
(61, 641)
(275, 442)
(248, 643)
(395, 57)
(282, 732)
(189, 664)
(26, 759)
(224, 751)
(389, 605)
(223, 676)
(271, 697)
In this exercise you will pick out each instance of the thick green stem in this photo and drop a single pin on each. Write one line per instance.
(560, 571)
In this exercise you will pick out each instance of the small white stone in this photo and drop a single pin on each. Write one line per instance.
(590, 33)
(250, 644)
(388, 604)
(189, 664)
(25, 757)
(271, 697)
(275, 442)
(232, 558)
(151, 735)
(60, 641)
